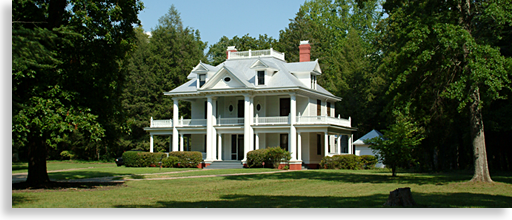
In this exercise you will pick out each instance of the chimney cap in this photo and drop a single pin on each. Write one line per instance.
(304, 42)
(231, 48)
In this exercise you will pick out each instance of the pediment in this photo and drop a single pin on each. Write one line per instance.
(224, 79)
(258, 64)
(200, 68)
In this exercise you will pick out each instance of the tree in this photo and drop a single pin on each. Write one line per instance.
(65, 72)
(217, 52)
(439, 52)
(341, 34)
(396, 147)
(158, 64)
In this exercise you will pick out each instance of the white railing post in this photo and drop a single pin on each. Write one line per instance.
(256, 122)
(151, 122)
(250, 55)
(271, 51)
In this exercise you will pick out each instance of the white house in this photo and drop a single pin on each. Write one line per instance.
(363, 148)
(255, 100)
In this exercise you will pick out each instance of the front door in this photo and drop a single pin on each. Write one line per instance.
(237, 147)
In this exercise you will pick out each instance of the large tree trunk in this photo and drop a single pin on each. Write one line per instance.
(477, 134)
(37, 174)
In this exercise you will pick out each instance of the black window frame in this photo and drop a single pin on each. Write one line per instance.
(261, 77)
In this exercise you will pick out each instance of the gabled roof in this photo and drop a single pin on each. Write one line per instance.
(283, 75)
(372, 134)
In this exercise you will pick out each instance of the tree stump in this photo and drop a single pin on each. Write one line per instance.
(400, 197)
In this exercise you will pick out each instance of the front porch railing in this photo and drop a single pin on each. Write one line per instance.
(165, 123)
(192, 122)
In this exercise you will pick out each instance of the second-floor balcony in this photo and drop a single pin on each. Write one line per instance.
(276, 120)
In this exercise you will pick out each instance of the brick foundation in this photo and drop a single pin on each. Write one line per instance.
(313, 166)
(203, 165)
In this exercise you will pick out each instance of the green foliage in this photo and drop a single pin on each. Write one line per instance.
(348, 161)
(188, 159)
(67, 154)
(142, 159)
(342, 36)
(158, 64)
(65, 73)
(256, 158)
(398, 143)
(368, 161)
(217, 52)
(272, 156)
(170, 161)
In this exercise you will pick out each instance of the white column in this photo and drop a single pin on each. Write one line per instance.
(292, 136)
(151, 143)
(299, 147)
(181, 148)
(247, 125)
(326, 143)
(209, 128)
(251, 121)
(175, 116)
(257, 141)
(213, 133)
(350, 151)
(219, 151)
(339, 144)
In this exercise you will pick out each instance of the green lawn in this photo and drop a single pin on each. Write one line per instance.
(304, 189)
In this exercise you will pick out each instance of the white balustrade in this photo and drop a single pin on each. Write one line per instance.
(230, 121)
(271, 120)
(256, 53)
(323, 120)
(166, 123)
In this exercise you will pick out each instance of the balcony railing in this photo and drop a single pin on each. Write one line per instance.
(256, 53)
(230, 121)
(278, 120)
(323, 120)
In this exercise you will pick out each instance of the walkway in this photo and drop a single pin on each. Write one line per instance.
(21, 177)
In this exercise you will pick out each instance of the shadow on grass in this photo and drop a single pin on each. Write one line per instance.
(449, 200)
(18, 199)
(348, 177)
(81, 174)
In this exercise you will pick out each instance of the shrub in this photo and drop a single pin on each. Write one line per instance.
(188, 158)
(348, 161)
(142, 159)
(170, 161)
(368, 161)
(272, 156)
(256, 158)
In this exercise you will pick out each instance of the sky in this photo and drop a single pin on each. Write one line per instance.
(217, 18)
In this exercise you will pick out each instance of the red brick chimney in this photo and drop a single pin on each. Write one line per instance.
(230, 49)
(305, 51)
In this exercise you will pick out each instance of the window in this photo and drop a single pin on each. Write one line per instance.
(261, 77)
(284, 107)
(313, 82)
(227, 79)
(328, 109)
(284, 141)
(318, 107)
(258, 107)
(202, 79)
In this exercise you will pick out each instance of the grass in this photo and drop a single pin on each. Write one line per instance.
(294, 189)
(22, 167)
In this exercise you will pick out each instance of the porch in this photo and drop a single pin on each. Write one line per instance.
(276, 120)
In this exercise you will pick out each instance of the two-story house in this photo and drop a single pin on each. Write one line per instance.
(255, 100)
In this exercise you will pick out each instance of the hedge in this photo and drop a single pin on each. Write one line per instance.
(187, 158)
(272, 157)
(175, 159)
(348, 161)
(142, 159)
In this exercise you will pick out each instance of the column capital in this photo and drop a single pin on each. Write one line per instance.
(175, 99)
(211, 97)
(293, 94)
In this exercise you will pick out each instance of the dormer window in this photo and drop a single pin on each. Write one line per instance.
(202, 79)
(261, 77)
(313, 81)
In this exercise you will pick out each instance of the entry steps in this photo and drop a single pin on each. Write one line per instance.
(228, 164)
